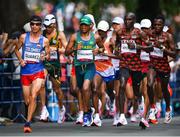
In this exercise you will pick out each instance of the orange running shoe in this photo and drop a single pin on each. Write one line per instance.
(153, 121)
(27, 128)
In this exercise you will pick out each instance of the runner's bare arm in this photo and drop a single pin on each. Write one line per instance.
(70, 46)
(117, 43)
(171, 50)
(112, 55)
(113, 39)
(111, 46)
(145, 40)
(99, 43)
(63, 39)
(63, 42)
(47, 48)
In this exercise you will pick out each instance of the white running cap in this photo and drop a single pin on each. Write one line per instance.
(103, 25)
(145, 23)
(49, 19)
(118, 20)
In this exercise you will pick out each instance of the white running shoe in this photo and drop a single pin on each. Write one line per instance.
(158, 108)
(122, 120)
(44, 114)
(140, 110)
(97, 121)
(152, 116)
(61, 117)
(92, 112)
(116, 119)
(143, 123)
(79, 119)
(133, 118)
(168, 117)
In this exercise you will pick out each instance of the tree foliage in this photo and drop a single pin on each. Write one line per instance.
(14, 15)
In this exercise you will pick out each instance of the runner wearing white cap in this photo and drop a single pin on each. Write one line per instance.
(104, 69)
(57, 42)
(145, 25)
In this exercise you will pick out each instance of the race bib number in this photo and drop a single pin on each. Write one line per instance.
(144, 56)
(125, 49)
(53, 55)
(157, 52)
(30, 56)
(100, 57)
(84, 55)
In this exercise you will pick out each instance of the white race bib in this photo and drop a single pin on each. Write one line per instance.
(144, 56)
(115, 63)
(100, 57)
(84, 55)
(157, 52)
(30, 56)
(125, 49)
(53, 55)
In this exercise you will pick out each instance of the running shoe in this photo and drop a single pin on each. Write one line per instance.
(86, 120)
(44, 114)
(140, 110)
(116, 119)
(61, 117)
(97, 121)
(152, 116)
(168, 117)
(143, 123)
(27, 128)
(133, 118)
(158, 108)
(91, 114)
(79, 119)
(122, 120)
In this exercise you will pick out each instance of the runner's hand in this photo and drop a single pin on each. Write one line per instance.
(42, 56)
(79, 46)
(23, 63)
(131, 45)
(96, 51)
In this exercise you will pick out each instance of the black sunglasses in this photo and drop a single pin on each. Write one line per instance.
(48, 26)
(37, 24)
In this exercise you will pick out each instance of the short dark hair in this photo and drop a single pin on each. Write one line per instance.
(133, 15)
(36, 18)
(161, 17)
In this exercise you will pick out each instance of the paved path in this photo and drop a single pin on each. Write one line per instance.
(70, 129)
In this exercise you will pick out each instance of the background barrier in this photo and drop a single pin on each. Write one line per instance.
(11, 98)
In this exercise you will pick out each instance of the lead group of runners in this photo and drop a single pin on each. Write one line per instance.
(123, 61)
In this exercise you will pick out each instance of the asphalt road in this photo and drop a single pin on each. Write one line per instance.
(70, 129)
